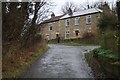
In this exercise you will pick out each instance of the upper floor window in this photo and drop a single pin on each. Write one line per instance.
(50, 27)
(88, 19)
(67, 22)
(77, 21)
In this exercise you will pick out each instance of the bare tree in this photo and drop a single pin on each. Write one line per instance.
(69, 6)
(18, 25)
(118, 27)
(39, 13)
(98, 4)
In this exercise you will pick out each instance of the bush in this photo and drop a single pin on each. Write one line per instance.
(105, 53)
(110, 62)
(37, 37)
(88, 35)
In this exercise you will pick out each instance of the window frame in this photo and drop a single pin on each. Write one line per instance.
(67, 23)
(50, 27)
(76, 21)
(89, 19)
(67, 33)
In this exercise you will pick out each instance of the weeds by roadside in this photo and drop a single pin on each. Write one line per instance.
(14, 65)
(104, 63)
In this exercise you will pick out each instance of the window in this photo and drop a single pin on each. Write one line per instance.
(50, 27)
(47, 37)
(76, 21)
(67, 23)
(88, 19)
(67, 34)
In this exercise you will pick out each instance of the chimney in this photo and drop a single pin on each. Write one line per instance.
(52, 15)
(88, 6)
(70, 12)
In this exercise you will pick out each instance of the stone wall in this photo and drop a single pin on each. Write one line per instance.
(59, 27)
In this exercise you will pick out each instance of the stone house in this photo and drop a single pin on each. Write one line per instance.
(71, 26)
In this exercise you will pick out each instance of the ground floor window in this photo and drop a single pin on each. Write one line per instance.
(47, 37)
(67, 34)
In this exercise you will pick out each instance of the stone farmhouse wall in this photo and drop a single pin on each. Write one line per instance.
(59, 27)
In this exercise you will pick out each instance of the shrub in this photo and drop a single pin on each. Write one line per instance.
(109, 61)
(88, 35)
(37, 37)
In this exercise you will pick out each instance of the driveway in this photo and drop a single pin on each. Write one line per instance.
(62, 62)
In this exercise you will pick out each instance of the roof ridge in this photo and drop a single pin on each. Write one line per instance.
(86, 9)
(83, 12)
(98, 9)
(78, 13)
(53, 19)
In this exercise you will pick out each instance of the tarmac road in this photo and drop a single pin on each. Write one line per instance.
(62, 62)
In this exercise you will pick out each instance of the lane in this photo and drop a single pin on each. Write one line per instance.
(62, 62)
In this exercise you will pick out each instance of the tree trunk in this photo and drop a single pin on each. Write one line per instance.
(118, 12)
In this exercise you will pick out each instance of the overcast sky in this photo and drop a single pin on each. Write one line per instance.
(59, 3)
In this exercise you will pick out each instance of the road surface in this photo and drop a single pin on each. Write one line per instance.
(62, 62)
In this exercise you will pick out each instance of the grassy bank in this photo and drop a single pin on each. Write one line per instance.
(15, 65)
(92, 41)
(104, 63)
(77, 44)
(95, 65)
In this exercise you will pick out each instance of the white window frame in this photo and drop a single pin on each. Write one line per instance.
(88, 19)
(66, 23)
(50, 25)
(67, 33)
(77, 19)
(47, 36)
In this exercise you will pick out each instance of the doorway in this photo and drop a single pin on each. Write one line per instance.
(76, 33)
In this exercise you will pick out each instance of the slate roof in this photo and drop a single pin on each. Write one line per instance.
(75, 14)
(56, 18)
(82, 12)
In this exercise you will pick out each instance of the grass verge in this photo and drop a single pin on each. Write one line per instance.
(104, 63)
(76, 44)
(95, 65)
(16, 68)
(34, 57)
